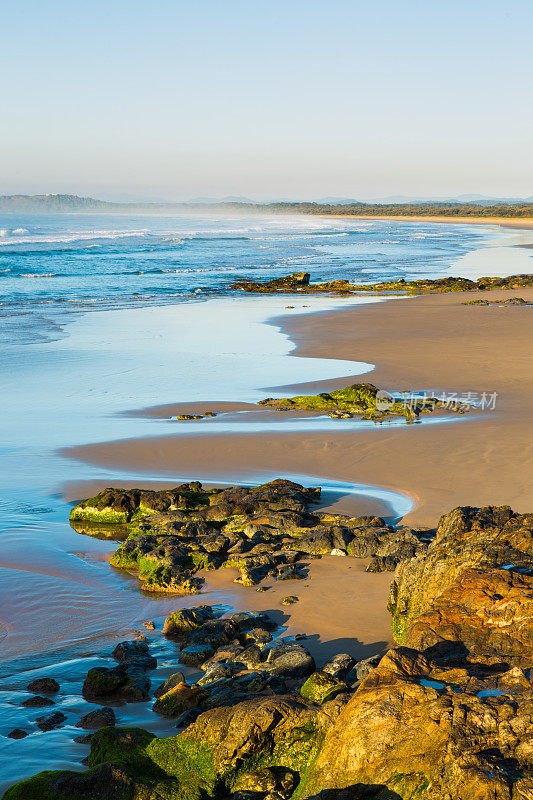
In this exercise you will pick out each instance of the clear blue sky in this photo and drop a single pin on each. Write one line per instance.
(173, 99)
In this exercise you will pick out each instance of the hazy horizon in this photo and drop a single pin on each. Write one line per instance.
(170, 102)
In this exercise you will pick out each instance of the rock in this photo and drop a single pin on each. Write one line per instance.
(136, 652)
(187, 619)
(216, 673)
(214, 633)
(37, 702)
(290, 661)
(83, 739)
(43, 686)
(382, 564)
(245, 620)
(179, 699)
(491, 614)
(268, 780)
(17, 733)
(97, 719)
(365, 667)
(188, 717)
(337, 552)
(289, 283)
(126, 682)
(406, 730)
(258, 636)
(194, 655)
(476, 553)
(50, 721)
(340, 666)
(251, 656)
(321, 686)
(288, 601)
(149, 625)
(102, 681)
(174, 680)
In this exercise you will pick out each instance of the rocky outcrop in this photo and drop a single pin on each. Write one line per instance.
(261, 531)
(366, 401)
(427, 728)
(300, 283)
(509, 301)
(472, 584)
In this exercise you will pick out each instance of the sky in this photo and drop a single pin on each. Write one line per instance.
(297, 99)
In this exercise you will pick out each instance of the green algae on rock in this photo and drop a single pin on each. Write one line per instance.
(261, 531)
(363, 400)
(299, 283)
(321, 686)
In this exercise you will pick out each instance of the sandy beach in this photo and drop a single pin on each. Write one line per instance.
(432, 342)
(525, 223)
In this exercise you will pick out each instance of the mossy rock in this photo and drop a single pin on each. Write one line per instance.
(179, 699)
(321, 686)
(188, 619)
(207, 760)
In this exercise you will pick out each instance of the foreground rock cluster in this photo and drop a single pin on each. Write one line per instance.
(267, 531)
(446, 715)
(299, 282)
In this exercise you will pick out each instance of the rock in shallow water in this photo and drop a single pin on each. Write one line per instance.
(97, 718)
(43, 686)
(50, 721)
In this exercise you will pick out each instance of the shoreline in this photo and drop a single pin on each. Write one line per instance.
(485, 461)
(525, 223)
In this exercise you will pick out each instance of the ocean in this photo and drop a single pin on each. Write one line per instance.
(50, 264)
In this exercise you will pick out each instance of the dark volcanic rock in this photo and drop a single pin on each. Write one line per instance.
(97, 719)
(43, 686)
(50, 721)
(37, 702)
(17, 733)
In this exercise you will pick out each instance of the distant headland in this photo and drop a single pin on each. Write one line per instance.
(453, 210)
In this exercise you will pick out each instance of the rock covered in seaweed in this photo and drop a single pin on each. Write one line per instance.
(261, 531)
(300, 283)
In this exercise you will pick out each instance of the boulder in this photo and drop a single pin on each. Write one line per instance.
(321, 686)
(50, 721)
(179, 699)
(290, 661)
(340, 666)
(195, 654)
(43, 686)
(37, 702)
(97, 718)
(187, 619)
(174, 680)
(17, 733)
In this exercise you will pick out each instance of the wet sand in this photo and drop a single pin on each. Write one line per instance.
(429, 342)
(356, 622)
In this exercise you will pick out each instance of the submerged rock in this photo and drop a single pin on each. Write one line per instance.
(37, 702)
(50, 721)
(17, 733)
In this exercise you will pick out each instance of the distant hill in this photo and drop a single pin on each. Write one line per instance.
(68, 203)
